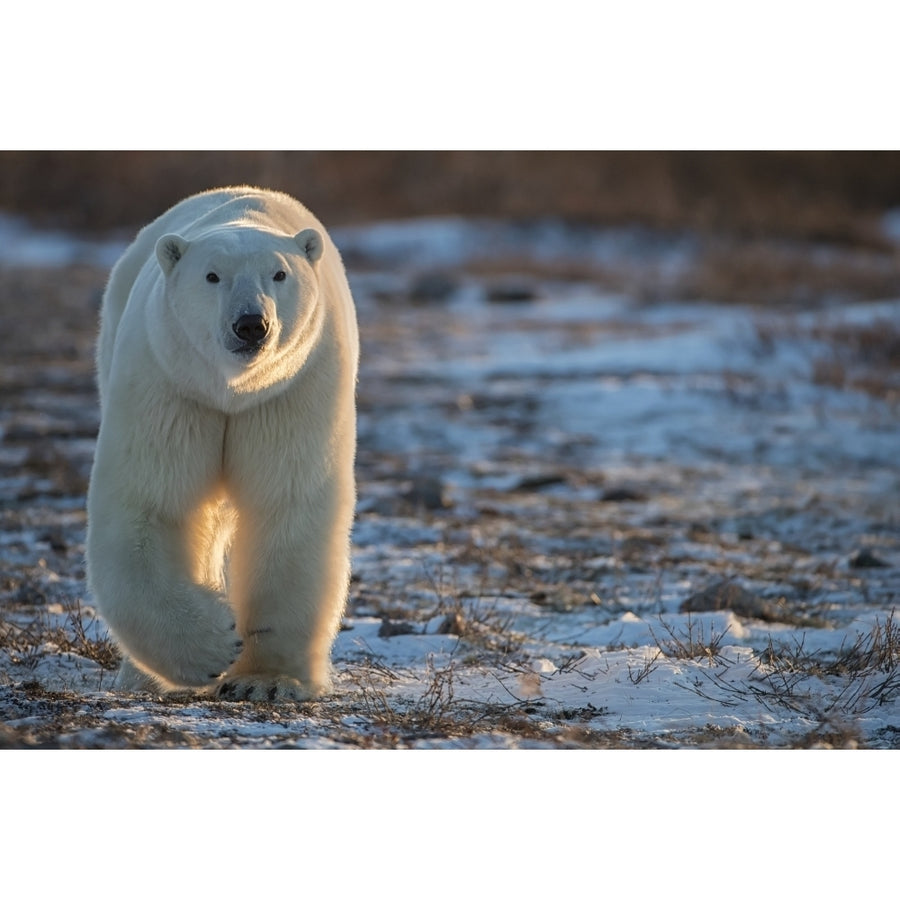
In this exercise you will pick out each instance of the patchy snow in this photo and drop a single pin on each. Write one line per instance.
(23, 245)
(891, 225)
(557, 493)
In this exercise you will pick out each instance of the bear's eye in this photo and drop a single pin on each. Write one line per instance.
(212, 278)
(280, 275)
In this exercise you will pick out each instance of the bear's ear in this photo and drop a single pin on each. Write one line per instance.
(310, 243)
(169, 249)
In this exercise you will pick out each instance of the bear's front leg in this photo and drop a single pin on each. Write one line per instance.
(156, 536)
(290, 574)
(180, 631)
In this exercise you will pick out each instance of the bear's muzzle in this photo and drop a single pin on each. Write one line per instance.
(251, 330)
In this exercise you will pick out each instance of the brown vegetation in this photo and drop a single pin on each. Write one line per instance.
(814, 195)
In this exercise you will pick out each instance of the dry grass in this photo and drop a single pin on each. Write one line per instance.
(813, 195)
(433, 713)
(438, 714)
(861, 357)
(857, 357)
(29, 643)
(870, 668)
(786, 274)
(691, 642)
(858, 680)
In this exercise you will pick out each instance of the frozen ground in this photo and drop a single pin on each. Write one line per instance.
(586, 518)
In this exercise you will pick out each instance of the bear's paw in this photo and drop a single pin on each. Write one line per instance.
(209, 645)
(266, 688)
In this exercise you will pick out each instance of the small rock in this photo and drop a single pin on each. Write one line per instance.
(432, 287)
(428, 492)
(511, 292)
(866, 559)
(391, 629)
(56, 540)
(621, 495)
(538, 481)
(30, 593)
(729, 595)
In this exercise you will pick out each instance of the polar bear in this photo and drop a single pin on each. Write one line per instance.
(222, 492)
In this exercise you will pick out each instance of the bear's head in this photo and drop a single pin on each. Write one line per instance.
(245, 299)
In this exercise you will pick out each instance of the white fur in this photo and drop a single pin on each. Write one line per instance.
(222, 493)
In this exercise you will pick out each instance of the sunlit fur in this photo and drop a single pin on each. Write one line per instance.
(222, 492)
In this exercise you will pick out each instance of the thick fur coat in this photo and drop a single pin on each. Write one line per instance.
(222, 493)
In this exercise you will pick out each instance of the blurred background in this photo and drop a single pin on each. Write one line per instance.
(779, 227)
(831, 196)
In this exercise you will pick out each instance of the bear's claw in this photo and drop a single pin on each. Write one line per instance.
(266, 689)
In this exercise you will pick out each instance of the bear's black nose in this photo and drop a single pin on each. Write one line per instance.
(251, 329)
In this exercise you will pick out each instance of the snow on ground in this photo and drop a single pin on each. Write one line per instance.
(584, 520)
